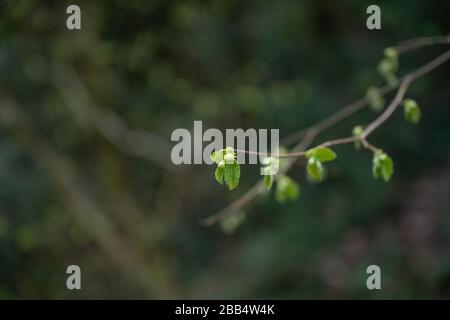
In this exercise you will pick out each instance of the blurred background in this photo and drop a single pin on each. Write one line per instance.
(85, 171)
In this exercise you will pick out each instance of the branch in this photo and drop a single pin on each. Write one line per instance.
(413, 44)
(389, 110)
(402, 47)
(74, 190)
(111, 126)
(310, 133)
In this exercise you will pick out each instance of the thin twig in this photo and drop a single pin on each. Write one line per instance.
(368, 145)
(389, 110)
(404, 84)
(413, 44)
(136, 142)
(310, 133)
(402, 47)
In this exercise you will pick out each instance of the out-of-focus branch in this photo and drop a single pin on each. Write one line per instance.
(147, 145)
(344, 113)
(132, 260)
(139, 143)
(311, 132)
(413, 44)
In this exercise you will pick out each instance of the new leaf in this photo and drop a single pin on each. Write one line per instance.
(411, 111)
(268, 180)
(287, 190)
(383, 166)
(322, 154)
(219, 175)
(232, 173)
(315, 169)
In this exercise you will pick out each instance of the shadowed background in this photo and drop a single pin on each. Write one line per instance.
(85, 170)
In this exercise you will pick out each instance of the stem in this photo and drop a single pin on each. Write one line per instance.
(367, 145)
(308, 134)
(404, 85)
(389, 110)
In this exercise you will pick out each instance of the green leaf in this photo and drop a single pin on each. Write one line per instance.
(376, 100)
(325, 154)
(268, 180)
(383, 166)
(228, 170)
(270, 166)
(357, 132)
(322, 154)
(315, 169)
(286, 190)
(232, 173)
(219, 175)
(411, 111)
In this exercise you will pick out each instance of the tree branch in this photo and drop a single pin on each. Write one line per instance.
(413, 44)
(139, 143)
(310, 133)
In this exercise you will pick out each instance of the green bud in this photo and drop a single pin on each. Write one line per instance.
(315, 169)
(376, 100)
(286, 190)
(390, 53)
(385, 66)
(411, 111)
(357, 132)
(382, 166)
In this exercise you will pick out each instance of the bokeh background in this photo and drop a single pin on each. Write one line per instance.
(85, 171)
